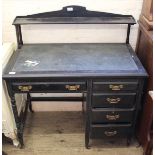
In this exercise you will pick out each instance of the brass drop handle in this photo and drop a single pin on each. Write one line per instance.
(25, 88)
(110, 133)
(113, 117)
(116, 87)
(113, 100)
(72, 87)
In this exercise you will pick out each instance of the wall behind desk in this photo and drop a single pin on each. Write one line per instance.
(68, 33)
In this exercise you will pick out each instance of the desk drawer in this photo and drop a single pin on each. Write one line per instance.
(49, 86)
(101, 131)
(115, 86)
(111, 116)
(117, 100)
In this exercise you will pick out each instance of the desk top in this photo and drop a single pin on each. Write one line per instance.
(88, 59)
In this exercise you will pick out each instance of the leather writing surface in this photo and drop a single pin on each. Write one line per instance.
(74, 57)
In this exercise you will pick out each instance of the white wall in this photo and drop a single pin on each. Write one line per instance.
(69, 33)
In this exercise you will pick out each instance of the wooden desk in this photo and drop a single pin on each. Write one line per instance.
(109, 75)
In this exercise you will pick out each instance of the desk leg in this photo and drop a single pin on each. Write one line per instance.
(87, 135)
(29, 102)
(83, 111)
(17, 121)
(87, 116)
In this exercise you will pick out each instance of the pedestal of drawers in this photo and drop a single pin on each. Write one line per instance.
(114, 107)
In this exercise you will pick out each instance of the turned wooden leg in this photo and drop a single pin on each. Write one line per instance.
(17, 121)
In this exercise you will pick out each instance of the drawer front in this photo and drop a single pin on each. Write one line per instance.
(50, 86)
(115, 86)
(102, 131)
(109, 116)
(121, 100)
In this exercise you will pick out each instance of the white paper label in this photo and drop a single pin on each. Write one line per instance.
(70, 9)
(12, 72)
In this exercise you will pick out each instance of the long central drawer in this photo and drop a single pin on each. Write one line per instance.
(112, 115)
(50, 86)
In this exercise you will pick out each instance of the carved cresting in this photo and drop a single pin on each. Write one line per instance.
(75, 11)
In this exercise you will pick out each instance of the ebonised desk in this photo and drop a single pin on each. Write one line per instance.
(109, 75)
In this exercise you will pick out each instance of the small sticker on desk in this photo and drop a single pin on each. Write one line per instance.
(12, 72)
(70, 9)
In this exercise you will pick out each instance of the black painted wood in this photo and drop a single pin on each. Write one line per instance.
(100, 115)
(50, 86)
(113, 100)
(68, 99)
(110, 86)
(110, 130)
(99, 71)
(77, 60)
(74, 15)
